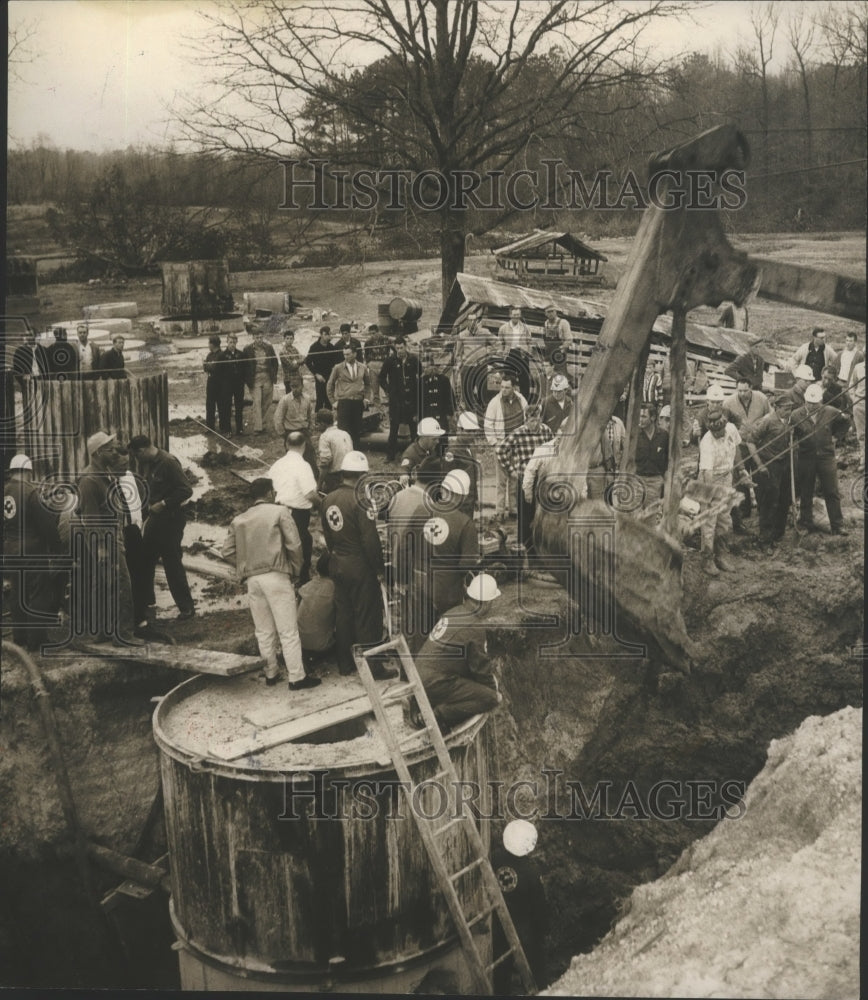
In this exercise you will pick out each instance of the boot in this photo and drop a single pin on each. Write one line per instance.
(722, 557)
(708, 563)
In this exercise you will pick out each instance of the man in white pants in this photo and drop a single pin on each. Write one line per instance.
(264, 545)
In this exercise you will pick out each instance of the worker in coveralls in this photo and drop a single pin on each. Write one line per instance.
(523, 893)
(454, 665)
(355, 564)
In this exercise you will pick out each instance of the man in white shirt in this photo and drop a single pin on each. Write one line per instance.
(88, 354)
(332, 448)
(295, 488)
(515, 344)
(857, 395)
(850, 356)
(504, 414)
(717, 453)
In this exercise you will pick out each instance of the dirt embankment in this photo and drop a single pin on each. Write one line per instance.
(767, 905)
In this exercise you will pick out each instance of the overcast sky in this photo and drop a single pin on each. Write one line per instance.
(104, 72)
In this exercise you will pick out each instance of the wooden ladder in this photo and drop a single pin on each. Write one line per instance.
(432, 830)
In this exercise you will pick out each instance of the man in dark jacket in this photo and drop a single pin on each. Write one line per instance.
(749, 366)
(168, 490)
(321, 358)
(112, 363)
(399, 379)
(816, 426)
(235, 365)
(62, 357)
(217, 398)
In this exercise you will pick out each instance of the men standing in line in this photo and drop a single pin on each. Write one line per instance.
(29, 535)
(217, 400)
(503, 415)
(514, 454)
(349, 385)
(235, 365)
(290, 360)
(652, 454)
(333, 446)
(88, 354)
(321, 359)
(260, 377)
(558, 406)
(399, 379)
(165, 518)
(295, 487)
(815, 353)
(717, 453)
(454, 665)
(113, 363)
(356, 565)
(516, 346)
(264, 546)
(816, 427)
(295, 412)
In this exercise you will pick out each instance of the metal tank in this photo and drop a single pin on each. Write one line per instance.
(299, 867)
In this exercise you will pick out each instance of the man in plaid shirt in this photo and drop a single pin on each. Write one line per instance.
(514, 454)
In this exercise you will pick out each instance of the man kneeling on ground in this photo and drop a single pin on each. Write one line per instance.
(454, 665)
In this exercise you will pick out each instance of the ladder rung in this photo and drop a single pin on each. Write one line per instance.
(481, 915)
(446, 826)
(437, 776)
(412, 738)
(466, 869)
(396, 694)
(497, 961)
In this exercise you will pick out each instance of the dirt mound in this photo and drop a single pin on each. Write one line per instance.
(767, 905)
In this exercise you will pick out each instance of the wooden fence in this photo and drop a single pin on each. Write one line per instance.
(55, 418)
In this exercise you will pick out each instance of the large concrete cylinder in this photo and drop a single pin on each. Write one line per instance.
(300, 867)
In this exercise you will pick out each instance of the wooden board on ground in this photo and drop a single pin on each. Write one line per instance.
(248, 475)
(274, 715)
(260, 739)
(190, 658)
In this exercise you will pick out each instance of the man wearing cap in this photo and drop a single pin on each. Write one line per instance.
(559, 405)
(717, 454)
(448, 548)
(295, 488)
(349, 385)
(815, 353)
(503, 415)
(165, 518)
(652, 454)
(769, 441)
(794, 397)
(557, 336)
(321, 359)
(435, 395)
(815, 428)
(264, 547)
(515, 343)
(29, 532)
(426, 446)
(101, 590)
(260, 376)
(399, 379)
(514, 454)
(519, 878)
(333, 446)
(356, 564)
(454, 664)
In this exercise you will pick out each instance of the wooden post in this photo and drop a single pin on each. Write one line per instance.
(633, 403)
(677, 367)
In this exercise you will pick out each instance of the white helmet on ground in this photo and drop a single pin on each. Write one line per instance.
(483, 588)
(520, 837)
(355, 461)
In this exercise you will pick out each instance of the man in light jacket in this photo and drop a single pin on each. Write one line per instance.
(504, 414)
(264, 545)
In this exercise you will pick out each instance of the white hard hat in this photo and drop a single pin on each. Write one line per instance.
(519, 837)
(665, 411)
(560, 382)
(468, 421)
(814, 393)
(97, 441)
(457, 481)
(355, 461)
(428, 427)
(715, 394)
(483, 588)
(20, 462)
(804, 372)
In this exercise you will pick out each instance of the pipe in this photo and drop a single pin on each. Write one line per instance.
(131, 868)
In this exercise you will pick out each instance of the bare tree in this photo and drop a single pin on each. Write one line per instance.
(447, 85)
(801, 35)
(764, 22)
(19, 50)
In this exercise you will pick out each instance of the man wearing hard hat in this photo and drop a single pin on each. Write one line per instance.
(454, 664)
(816, 427)
(29, 529)
(355, 564)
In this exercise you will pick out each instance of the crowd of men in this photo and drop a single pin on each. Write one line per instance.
(64, 359)
(415, 547)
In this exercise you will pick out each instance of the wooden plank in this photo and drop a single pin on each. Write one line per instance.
(189, 658)
(274, 715)
(260, 740)
(811, 288)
